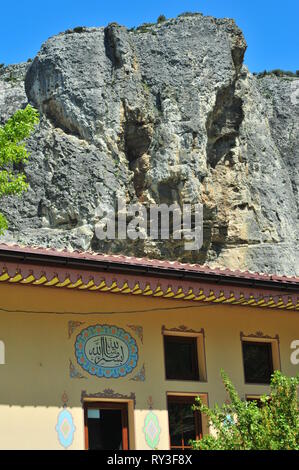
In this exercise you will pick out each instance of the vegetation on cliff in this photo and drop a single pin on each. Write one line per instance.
(13, 154)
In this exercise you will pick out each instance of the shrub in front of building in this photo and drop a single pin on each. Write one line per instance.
(267, 423)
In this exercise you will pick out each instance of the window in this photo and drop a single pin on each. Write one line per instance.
(257, 399)
(254, 398)
(106, 426)
(181, 357)
(258, 362)
(184, 423)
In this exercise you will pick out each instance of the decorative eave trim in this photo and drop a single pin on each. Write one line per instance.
(149, 286)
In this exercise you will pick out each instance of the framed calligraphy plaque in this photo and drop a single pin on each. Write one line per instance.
(106, 351)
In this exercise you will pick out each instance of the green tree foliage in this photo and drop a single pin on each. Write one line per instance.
(161, 19)
(272, 424)
(13, 153)
(277, 73)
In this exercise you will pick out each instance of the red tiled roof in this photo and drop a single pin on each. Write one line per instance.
(174, 266)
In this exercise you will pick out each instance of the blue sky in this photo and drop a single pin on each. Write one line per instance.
(270, 26)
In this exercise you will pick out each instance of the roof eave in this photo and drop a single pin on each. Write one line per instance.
(150, 271)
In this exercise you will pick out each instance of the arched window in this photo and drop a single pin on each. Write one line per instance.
(2, 353)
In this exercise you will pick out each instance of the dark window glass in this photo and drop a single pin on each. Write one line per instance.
(106, 426)
(260, 404)
(104, 429)
(181, 358)
(184, 423)
(258, 365)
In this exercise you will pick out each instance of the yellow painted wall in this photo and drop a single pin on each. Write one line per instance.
(38, 350)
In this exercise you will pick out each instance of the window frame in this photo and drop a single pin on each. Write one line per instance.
(186, 399)
(250, 398)
(106, 405)
(194, 365)
(271, 363)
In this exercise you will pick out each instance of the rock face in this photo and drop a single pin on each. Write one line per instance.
(162, 114)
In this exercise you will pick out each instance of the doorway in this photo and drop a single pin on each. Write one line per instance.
(106, 426)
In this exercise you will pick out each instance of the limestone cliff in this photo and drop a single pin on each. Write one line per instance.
(165, 113)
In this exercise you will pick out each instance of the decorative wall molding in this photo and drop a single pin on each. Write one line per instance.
(150, 402)
(182, 329)
(65, 428)
(152, 430)
(72, 326)
(108, 393)
(259, 335)
(74, 373)
(138, 330)
(64, 399)
(140, 376)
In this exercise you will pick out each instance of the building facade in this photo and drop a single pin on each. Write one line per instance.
(109, 352)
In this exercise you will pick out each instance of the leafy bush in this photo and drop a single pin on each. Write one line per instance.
(241, 425)
(188, 13)
(161, 19)
(277, 73)
(79, 29)
(13, 152)
(145, 28)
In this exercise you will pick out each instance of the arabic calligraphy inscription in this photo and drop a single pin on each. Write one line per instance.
(106, 351)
